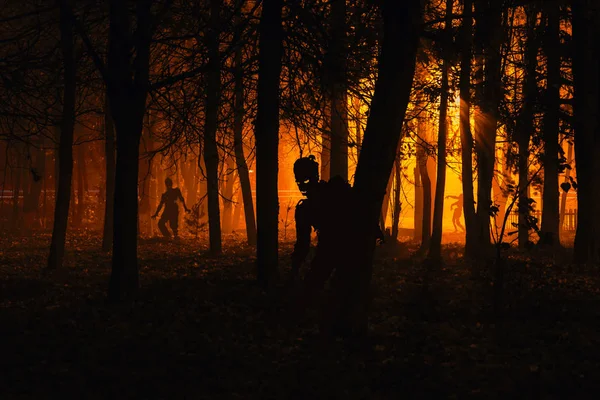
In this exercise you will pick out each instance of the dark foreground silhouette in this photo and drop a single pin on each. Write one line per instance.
(201, 328)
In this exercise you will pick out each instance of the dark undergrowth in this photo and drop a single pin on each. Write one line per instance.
(200, 328)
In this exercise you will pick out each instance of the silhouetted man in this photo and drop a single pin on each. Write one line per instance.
(457, 211)
(171, 212)
(329, 208)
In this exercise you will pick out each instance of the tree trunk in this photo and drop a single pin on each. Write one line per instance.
(466, 136)
(587, 139)
(402, 21)
(525, 128)
(386, 203)
(563, 197)
(228, 195)
(550, 216)
(418, 208)
(338, 91)
(17, 183)
(127, 81)
(211, 154)
(426, 184)
(435, 244)
(80, 185)
(38, 179)
(65, 150)
(238, 144)
(267, 140)
(397, 205)
(109, 156)
(491, 34)
(326, 143)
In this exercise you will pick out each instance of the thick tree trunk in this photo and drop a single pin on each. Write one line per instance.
(586, 65)
(466, 136)
(109, 156)
(338, 91)
(402, 21)
(127, 94)
(267, 140)
(211, 154)
(238, 144)
(550, 215)
(435, 244)
(124, 280)
(65, 151)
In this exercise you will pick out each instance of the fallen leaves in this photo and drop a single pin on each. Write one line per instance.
(200, 325)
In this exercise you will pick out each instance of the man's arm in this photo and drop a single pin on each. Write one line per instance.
(303, 230)
(160, 206)
(182, 200)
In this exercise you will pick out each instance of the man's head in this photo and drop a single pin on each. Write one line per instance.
(306, 171)
(169, 183)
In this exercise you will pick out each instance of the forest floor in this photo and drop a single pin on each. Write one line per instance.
(201, 328)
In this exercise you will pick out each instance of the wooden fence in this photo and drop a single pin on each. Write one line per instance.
(569, 219)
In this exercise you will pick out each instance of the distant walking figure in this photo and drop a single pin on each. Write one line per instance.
(457, 211)
(171, 212)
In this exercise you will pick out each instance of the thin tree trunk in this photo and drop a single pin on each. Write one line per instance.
(338, 91)
(550, 215)
(80, 185)
(397, 205)
(267, 140)
(238, 144)
(563, 197)
(525, 127)
(491, 34)
(435, 244)
(326, 143)
(466, 136)
(65, 150)
(228, 195)
(418, 208)
(38, 179)
(211, 154)
(17, 182)
(109, 156)
(386, 203)
(426, 184)
(235, 221)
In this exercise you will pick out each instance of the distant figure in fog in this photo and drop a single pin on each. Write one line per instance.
(171, 212)
(457, 211)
